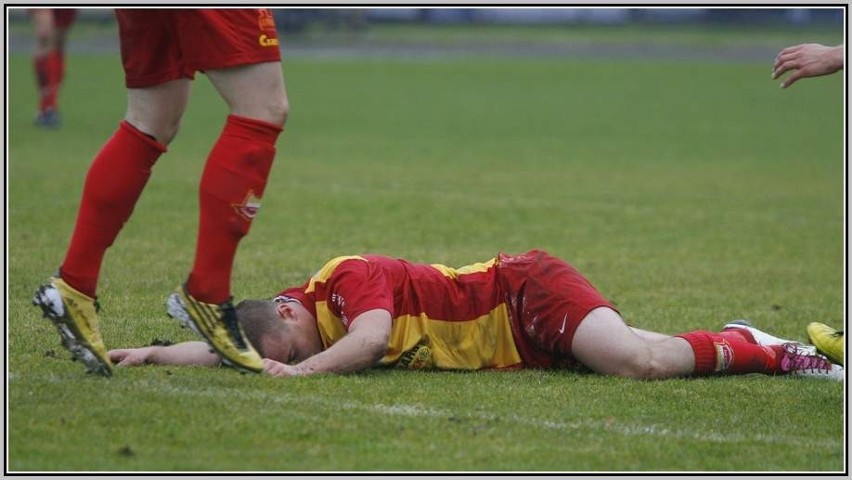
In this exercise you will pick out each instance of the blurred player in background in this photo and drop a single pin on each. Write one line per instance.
(51, 26)
(513, 311)
(161, 51)
(807, 60)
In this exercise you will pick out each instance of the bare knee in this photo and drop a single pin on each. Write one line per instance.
(271, 108)
(254, 91)
(164, 131)
(157, 110)
(277, 110)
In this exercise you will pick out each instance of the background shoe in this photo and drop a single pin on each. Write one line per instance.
(218, 325)
(797, 361)
(75, 316)
(760, 337)
(827, 340)
(49, 119)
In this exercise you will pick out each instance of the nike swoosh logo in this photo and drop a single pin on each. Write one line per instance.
(562, 328)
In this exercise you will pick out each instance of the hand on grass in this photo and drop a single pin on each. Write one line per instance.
(127, 357)
(278, 369)
(807, 60)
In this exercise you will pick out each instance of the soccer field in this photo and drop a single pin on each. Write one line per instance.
(690, 192)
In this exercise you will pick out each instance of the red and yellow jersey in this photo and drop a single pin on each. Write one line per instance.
(443, 317)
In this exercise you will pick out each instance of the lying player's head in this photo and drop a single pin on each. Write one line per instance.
(280, 329)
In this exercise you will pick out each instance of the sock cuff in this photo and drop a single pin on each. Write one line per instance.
(149, 141)
(254, 129)
(704, 349)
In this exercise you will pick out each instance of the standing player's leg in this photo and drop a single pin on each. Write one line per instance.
(114, 182)
(113, 185)
(236, 172)
(63, 18)
(237, 167)
(46, 64)
(231, 189)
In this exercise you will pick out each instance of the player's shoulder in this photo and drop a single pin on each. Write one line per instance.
(333, 265)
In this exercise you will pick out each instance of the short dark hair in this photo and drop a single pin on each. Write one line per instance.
(259, 320)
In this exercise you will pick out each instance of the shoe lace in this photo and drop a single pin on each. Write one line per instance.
(798, 360)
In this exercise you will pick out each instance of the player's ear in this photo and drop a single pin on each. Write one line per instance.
(281, 308)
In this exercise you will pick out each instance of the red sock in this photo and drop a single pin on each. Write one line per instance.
(60, 67)
(115, 180)
(729, 353)
(40, 65)
(231, 188)
(737, 334)
(49, 71)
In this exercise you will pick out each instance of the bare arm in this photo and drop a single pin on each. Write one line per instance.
(186, 353)
(807, 60)
(364, 345)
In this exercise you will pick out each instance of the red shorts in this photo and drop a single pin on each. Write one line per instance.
(547, 299)
(159, 45)
(64, 17)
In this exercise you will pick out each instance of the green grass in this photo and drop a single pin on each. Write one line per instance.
(690, 194)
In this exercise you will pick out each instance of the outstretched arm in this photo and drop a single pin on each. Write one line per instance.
(186, 353)
(361, 348)
(807, 60)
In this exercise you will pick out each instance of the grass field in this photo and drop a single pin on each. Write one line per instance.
(690, 193)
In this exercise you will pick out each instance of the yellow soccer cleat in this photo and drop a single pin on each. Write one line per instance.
(218, 325)
(76, 318)
(827, 340)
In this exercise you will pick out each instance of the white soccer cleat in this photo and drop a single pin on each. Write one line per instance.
(797, 359)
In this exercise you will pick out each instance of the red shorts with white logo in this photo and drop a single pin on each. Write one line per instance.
(547, 300)
(159, 45)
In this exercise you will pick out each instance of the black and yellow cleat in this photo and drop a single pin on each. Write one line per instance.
(219, 327)
(75, 316)
(827, 340)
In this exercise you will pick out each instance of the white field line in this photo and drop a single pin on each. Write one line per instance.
(406, 410)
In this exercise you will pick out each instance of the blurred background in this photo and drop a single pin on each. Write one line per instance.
(299, 19)
(394, 30)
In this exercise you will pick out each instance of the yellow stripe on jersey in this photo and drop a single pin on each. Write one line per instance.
(472, 268)
(417, 341)
(330, 326)
(325, 272)
(484, 342)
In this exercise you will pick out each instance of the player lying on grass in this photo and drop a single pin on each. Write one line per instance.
(530, 310)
